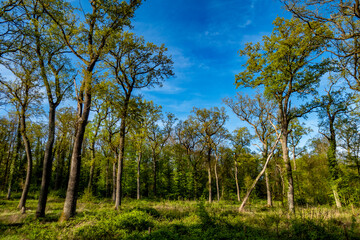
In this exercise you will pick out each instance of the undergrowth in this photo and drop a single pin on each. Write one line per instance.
(144, 219)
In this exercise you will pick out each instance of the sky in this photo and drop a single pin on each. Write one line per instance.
(203, 37)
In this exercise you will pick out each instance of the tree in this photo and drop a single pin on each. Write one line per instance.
(134, 65)
(88, 39)
(297, 131)
(210, 122)
(22, 92)
(259, 113)
(189, 138)
(157, 138)
(218, 144)
(240, 141)
(343, 18)
(139, 133)
(283, 65)
(333, 104)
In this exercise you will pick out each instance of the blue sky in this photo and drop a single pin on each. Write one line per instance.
(203, 37)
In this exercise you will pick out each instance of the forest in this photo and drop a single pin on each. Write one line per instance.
(83, 154)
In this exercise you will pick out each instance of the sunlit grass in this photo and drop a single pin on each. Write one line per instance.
(164, 219)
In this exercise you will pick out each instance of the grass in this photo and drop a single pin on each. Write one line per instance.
(147, 219)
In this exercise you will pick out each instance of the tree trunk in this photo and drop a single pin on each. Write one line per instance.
(138, 177)
(83, 115)
(29, 162)
(107, 184)
(217, 182)
(333, 165)
(114, 180)
(258, 177)
(47, 165)
(120, 164)
(237, 181)
(289, 177)
(209, 174)
(154, 173)
(294, 157)
(92, 167)
(268, 191)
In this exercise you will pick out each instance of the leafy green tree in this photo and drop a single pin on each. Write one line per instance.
(139, 133)
(297, 131)
(23, 93)
(88, 38)
(283, 66)
(210, 122)
(240, 141)
(189, 138)
(157, 138)
(259, 113)
(134, 65)
(343, 18)
(332, 105)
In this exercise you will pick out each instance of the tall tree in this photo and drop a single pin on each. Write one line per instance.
(189, 138)
(332, 105)
(240, 140)
(23, 93)
(259, 113)
(210, 122)
(88, 38)
(343, 18)
(157, 138)
(134, 65)
(283, 65)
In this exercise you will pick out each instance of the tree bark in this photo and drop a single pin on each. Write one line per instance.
(333, 165)
(138, 176)
(114, 180)
(47, 165)
(237, 181)
(209, 174)
(29, 162)
(154, 173)
(289, 177)
(217, 182)
(92, 167)
(120, 164)
(83, 115)
(268, 191)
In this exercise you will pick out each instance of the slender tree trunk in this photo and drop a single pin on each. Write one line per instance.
(333, 165)
(107, 178)
(289, 177)
(92, 167)
(114, 180)
(258, 177)
(217, 182)
(294, 158)
(47, 165)
(237, 181)
(83, 115)
(29, 163)
(209, 174)
(120, 164)
(155, 173)
(138, 176)
(268, 191)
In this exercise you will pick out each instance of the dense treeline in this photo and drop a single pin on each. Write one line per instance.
(109, 142)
